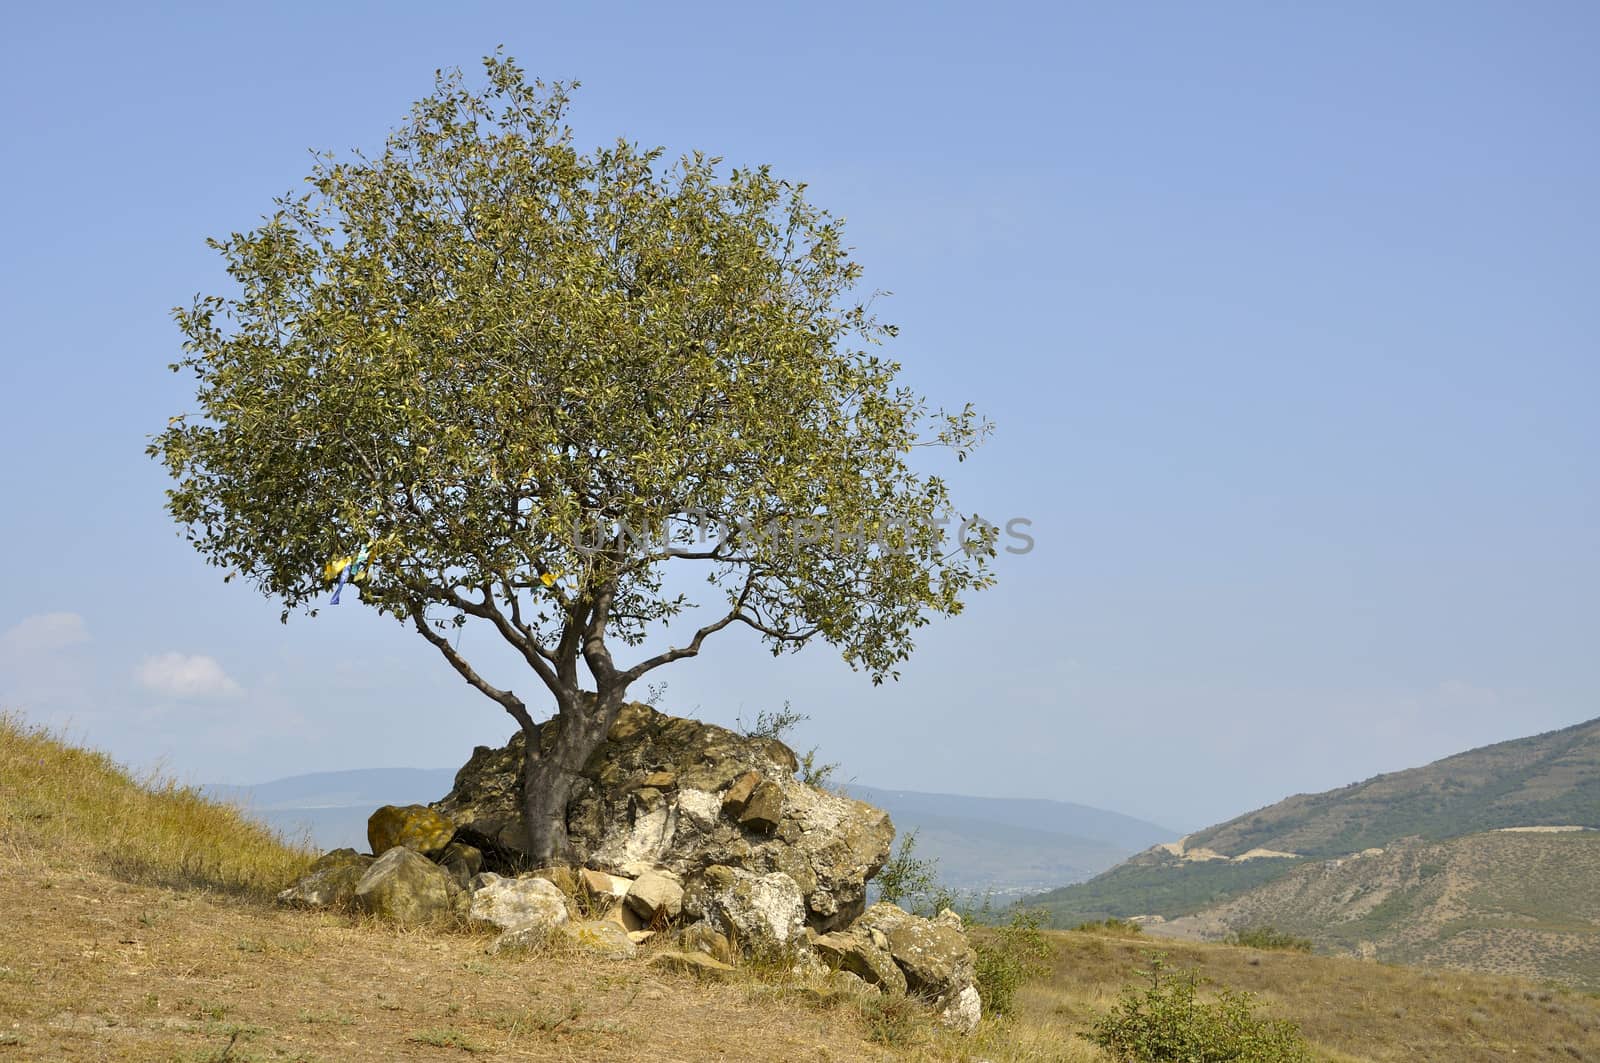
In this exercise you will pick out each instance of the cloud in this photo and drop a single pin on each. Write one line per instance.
(44, 633)
(183, 675)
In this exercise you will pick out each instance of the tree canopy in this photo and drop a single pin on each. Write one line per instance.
(534, 381)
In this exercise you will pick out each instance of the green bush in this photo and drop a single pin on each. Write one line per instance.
(905, 878)
(1009, 956)
(1265, 937)
(1162, 1020)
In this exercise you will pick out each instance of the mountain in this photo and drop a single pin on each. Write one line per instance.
(1009, 846)
(1523, 902)
(1001, 845)
(1550, 779)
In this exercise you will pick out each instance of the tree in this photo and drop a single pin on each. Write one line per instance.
(538, 384)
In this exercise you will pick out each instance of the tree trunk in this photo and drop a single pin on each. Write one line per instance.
(550, 777)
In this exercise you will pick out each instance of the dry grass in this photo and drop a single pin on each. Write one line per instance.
(136, 929)
(1348, 1009)
(82, 806)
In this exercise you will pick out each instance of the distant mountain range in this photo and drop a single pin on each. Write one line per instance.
(1458, 862)
(1005, 846)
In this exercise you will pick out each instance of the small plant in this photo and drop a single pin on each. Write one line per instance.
(906, 878)
(777, 725)
(1163, 1020)
(446, 1039)
(1265, 937)
(1009, 956)
(892, 1019)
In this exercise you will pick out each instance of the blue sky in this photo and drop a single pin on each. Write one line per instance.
(1286, 319)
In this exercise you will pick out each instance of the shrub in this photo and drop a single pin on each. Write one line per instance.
(1163, 1021)
(904, 877)
(1265, 937)
(1009, 956)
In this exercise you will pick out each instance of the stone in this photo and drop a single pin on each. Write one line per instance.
(601, 884)
(734, 799)
(703, 937)
(515, 903)
(763, 914)
(601, 937)
(330, 882)
(463, 861)
(855, 953)
(764, 811)
(405, 887)
(937, 959)
(655, 896)
(416, 827)
(829, 845)
(625, 917)
(964, 1012)
(695, 963)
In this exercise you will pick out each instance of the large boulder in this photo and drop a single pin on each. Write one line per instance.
(415, 827)
(763, 914)
(855, 952)
(516, 903)
(933, 954)
(330, 881)
(405, 887)
(673, 794)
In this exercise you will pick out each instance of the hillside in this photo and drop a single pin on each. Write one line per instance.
(983, 844)
(1548, 779)
(143, 931)
(1509, 902)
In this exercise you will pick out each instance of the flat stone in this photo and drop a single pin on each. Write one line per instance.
(696, 963)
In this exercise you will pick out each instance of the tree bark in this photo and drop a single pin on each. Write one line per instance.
(550, 777)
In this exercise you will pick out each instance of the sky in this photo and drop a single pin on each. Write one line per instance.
(1286, 319)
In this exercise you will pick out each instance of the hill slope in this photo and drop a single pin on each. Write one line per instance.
(1548, 779)
(1525, 903)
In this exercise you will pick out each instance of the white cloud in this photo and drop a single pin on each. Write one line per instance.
(183, 675)
(44, 633)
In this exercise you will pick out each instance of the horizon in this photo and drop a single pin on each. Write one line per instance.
(1284, 321)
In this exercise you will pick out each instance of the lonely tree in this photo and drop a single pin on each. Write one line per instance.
(604, 406)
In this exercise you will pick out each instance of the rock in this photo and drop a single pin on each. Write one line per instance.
(964, 1012)
(856, 954)
(330, 882)
(463, 861)
(516, 903)
(639, 937)
(625, 917)
(764, 811)
(406, 887)
(948, 917)
(734, 800)
(763, 914)
(709, 813)
(533, 937)
(563, 878)
(703, 937)
(696, 963)
(937, 960)
(416, 827)
(655, 896)
(600, 884)
(601, 937)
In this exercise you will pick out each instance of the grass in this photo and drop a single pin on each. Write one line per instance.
(148, 937)
(1349, 1010)
(58, 800)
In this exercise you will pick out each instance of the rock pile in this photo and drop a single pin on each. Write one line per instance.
(687, 833)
